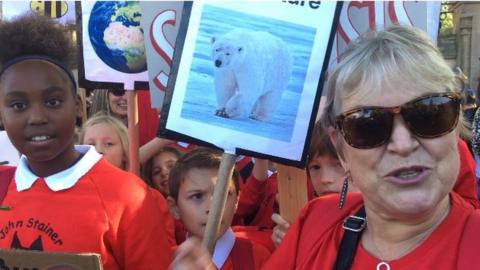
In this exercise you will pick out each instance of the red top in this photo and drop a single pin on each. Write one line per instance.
(108, 211)
(466, 184)
(259, 235)
(147, 118)
(260, 256)
(257, 201)
(312, 241)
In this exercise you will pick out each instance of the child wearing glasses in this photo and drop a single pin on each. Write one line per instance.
(66, 198)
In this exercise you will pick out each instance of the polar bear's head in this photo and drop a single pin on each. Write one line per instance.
(226, 54)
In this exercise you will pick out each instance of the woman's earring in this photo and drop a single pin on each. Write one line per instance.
(343, 193)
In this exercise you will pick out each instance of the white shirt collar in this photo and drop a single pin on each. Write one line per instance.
(223, 247)
(24, 177)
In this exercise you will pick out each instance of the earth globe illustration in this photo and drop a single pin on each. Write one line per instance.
(116, 35)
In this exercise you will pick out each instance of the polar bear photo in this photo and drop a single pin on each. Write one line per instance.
(251, 71)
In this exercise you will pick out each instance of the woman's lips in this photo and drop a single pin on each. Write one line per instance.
(408, 176)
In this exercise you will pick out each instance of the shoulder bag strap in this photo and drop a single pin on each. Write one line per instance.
(353, 227)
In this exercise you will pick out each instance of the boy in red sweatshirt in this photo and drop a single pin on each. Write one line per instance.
(192, 182)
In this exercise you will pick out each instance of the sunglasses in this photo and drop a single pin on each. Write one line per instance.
(117, 93)
(427, 117)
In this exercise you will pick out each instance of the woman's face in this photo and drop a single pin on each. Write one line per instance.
(117, 101)
(162, 164)
(107, 142)
(408, 175)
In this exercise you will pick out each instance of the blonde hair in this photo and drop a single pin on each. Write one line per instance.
(399, 55)
(117, 125)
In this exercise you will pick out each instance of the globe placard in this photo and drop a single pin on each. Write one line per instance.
(116, 35)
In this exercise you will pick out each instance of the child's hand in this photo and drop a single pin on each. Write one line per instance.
(192, 255)
(280, 229)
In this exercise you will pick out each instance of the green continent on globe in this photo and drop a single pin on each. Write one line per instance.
(125, 34)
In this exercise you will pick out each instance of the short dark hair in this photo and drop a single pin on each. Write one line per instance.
(200, 158)
(34, 35)
(320, 143)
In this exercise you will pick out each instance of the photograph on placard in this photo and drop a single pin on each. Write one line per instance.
(248, 75)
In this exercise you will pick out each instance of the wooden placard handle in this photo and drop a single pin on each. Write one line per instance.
(218, 201)
(132, 113)
(292, 191)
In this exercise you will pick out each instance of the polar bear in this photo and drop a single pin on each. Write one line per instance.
(251, 70)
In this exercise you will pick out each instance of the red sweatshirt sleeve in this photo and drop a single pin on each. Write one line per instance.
(251, 196)
(138, 234)
(285, 255)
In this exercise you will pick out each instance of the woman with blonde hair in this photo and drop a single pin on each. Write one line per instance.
(393, 113)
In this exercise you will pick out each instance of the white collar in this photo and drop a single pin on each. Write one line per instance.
(223, 247)
(24, 177)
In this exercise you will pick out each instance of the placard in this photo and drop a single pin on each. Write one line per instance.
(246, 76)
(161, 21)
(26, 259)
(61, 11)
(111, 45)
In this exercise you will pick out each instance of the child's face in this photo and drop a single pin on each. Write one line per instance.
(194, 201)
(107, 142)
(326, 174)
(38, 109)
(162, 164)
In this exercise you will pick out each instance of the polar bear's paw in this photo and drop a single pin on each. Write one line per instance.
(222, 113)
(259, 117)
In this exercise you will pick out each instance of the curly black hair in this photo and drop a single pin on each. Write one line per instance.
(33, 35)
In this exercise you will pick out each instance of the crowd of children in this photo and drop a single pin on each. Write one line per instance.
(82, 192)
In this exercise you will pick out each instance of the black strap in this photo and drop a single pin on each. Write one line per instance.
(353, 226)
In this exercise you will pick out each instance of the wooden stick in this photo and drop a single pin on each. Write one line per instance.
(292, 191)
(133, 166)
(218, 201)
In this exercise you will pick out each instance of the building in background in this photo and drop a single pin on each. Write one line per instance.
(466, 20)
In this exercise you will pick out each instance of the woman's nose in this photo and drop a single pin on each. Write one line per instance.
(402, 141)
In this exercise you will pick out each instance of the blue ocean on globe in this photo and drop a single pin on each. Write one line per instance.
(116, 35)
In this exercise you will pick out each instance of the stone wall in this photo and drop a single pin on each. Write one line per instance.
(467, 29)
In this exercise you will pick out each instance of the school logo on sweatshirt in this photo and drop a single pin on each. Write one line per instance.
(13, 230)
(35, 245)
